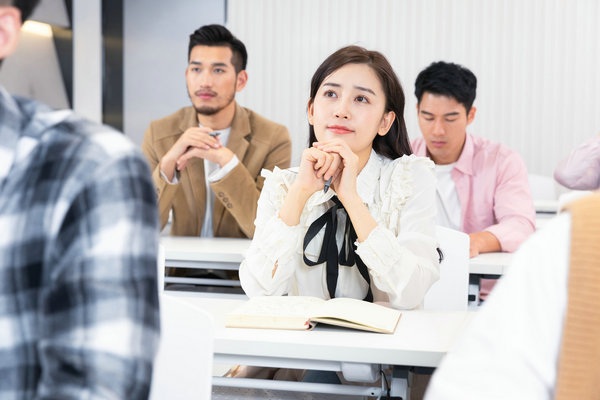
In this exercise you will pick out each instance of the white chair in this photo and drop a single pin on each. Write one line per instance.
(571, 196)
(451, 291)
(183, 365)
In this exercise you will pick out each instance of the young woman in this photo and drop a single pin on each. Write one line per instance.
(371, 236)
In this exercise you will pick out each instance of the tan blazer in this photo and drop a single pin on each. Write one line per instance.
(579, 361)
(257, 142)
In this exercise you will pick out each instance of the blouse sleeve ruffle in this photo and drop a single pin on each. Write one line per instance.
(397, 186)
(275, 243)
(401, 251)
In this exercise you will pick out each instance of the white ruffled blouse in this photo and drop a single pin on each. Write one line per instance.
(400, 253)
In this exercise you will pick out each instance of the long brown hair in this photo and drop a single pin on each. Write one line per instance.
(395, 143)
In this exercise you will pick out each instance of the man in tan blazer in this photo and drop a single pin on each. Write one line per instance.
(206, 159)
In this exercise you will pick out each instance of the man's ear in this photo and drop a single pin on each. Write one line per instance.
(10, 25)
(242, 79)
(471, 115)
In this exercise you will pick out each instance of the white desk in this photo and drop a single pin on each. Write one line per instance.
(546, 206)
(204, 253)
(545, 210)
(194, 250)
(422, 338)
(485, 265)
(228, 253)
(490, 264)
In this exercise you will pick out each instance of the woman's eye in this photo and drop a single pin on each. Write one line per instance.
(329, 93)
(362, 99)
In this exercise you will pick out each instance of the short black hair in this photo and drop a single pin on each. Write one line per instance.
(447, 79)
(25, 6)
(218, 35)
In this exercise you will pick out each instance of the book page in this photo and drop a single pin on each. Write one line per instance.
(276, 312)
(357, 314)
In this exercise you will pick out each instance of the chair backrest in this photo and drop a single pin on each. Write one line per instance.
(571, 196)
(183, 365)
(542, 187)
(450, 292)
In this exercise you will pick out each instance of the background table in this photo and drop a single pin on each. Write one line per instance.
(489, 266)
(490, 263)
(214, 255)
(219, 255)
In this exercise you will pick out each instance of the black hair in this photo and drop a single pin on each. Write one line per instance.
(395, 143)
(25, 6)
(447, 79)
(218, 35)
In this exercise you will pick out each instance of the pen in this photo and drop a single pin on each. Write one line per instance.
(327, 184)
(214, 133)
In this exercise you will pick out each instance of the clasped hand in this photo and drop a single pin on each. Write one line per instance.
(332, 158)
(195, 142)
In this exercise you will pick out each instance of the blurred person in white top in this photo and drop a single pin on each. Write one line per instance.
(510, 349)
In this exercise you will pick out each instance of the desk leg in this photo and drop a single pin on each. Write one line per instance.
(474, 287)
(400, 384)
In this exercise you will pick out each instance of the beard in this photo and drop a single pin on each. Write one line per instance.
(207, 110)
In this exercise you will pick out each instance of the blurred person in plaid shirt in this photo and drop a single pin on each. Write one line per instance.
(79, 311)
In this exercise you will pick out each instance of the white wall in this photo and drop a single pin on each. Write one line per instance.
(537, 61)
(33, 70)
(87, 59)
(156, 35)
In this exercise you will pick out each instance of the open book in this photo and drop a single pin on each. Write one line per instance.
(303, 312)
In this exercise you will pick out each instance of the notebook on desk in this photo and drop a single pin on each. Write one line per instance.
(304, 312)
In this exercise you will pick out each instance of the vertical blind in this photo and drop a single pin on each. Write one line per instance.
(537, 61)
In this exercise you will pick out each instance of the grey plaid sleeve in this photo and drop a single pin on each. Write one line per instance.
(100, 317)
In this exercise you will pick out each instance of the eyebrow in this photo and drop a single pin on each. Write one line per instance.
(450, 114)
(216, 64)
(355, 87)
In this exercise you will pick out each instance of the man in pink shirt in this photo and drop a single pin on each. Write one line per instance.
(483, 188)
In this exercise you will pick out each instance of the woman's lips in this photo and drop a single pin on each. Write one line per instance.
(339, 129)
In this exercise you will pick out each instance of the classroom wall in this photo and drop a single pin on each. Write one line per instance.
(88, 70)
(156, 35)
(33, 69)
(537, 61)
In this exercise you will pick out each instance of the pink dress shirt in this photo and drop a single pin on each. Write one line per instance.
(581, 169)
(493, 189)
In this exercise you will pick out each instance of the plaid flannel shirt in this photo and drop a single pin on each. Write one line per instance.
(78, 245)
